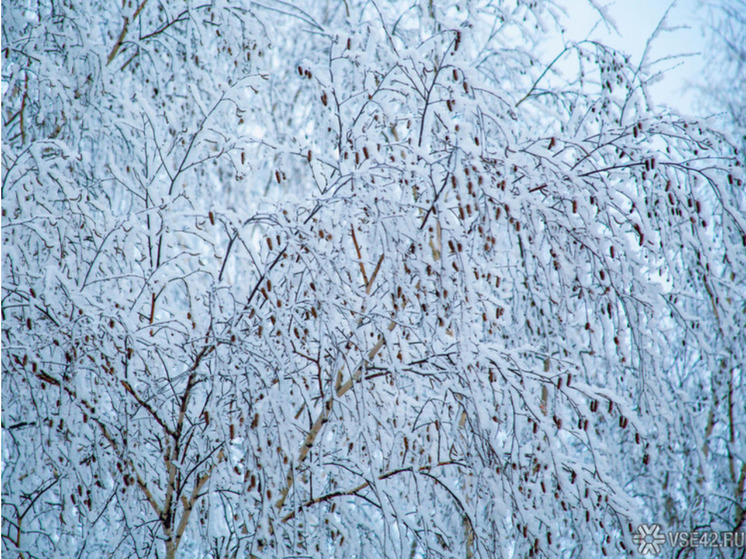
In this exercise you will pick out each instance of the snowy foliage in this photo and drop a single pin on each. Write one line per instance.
(358, 279)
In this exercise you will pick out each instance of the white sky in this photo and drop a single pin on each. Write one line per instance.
(636, 21)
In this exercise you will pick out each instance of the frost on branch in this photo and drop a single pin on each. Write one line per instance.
(324, 280)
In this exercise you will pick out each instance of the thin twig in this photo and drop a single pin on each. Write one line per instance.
(533, 87)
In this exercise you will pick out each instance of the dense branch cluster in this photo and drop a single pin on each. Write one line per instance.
(358, 279)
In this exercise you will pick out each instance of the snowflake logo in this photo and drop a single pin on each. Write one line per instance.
(649, 539)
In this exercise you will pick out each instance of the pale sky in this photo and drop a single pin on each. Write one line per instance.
(636, 21)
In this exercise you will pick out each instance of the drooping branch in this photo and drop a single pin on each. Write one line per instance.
(357, 489)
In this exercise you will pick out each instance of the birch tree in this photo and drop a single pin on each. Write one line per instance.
(358, 279)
